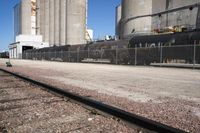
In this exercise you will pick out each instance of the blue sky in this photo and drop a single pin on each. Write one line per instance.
(101, 18)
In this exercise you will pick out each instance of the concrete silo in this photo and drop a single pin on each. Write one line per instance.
(76, 21)
(184, 17)
(158, 22)
(40, 18)
(51, 22)
(63, 14)
(26, 17)
(118, 21)
(46, 21)
(57, 22)
(38, 14)
(133, 8)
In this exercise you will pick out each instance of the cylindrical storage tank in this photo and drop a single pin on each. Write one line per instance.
(133, 8)
(26, 17)
(159, 22)
(76, 21)
(38, 17)
(46, 20)
(183, 17)
(57, 22)
(51, 22)
(117, 21)
(63, 15)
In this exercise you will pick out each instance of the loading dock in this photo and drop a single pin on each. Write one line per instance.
(23, 43)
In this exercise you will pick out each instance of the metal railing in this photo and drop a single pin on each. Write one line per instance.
(186, 54)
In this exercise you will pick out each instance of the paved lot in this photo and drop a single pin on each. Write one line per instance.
(135, 83)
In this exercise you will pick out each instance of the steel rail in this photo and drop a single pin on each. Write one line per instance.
(131, 118)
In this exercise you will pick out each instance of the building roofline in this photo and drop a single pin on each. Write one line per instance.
(13, 43)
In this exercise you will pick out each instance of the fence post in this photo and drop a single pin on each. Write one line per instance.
(135, 55)
(61, 55)
(116, 56)
(68, 56)
(45, 55)
(88, 53)
(77, 56)
(161, 54)
(194, 56)
(102, 54)
(50, 55)
(40, 55)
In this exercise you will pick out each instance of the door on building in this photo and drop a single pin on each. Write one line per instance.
(24, 48)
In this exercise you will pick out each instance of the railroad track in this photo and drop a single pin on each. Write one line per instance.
(141, 123)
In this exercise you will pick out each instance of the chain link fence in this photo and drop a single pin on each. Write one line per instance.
(188, 54)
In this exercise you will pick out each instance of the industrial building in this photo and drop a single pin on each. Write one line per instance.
(25, 36)
(134, 8)
(48, 23)
(62, 22)
(44, 23)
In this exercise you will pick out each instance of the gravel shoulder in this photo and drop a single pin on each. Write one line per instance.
(167, 95)
(25, 108)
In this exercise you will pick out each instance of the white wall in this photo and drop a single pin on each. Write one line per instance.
(29, 38)
(25, 40)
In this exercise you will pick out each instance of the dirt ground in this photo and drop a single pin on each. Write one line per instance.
(167, 95)
(25, 108)
(135, 83)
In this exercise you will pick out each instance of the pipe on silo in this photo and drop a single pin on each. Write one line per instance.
(76, 21)
(57, 22)
(63, 15)
(46, 20)
(26, 17)
(38, 17)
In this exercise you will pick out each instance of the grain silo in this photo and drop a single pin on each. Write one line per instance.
(76, 21)
(57, 22)
(46, 21)
(118, 21)
(63, 22)
(183, 17)
(26, 17)
(133, 8)
(38, 14)
(40, 17)
(51, 22)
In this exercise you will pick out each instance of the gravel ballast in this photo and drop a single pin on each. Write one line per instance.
(25, 108)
